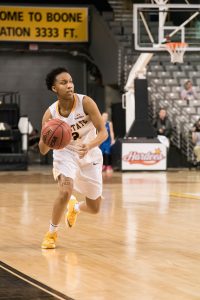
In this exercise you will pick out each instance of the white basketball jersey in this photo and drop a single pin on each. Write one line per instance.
(83, 130)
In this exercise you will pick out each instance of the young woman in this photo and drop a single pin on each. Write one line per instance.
(78, 166)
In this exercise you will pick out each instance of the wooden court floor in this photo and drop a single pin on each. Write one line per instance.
(144, 244)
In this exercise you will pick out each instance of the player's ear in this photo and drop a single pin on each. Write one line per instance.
(53, 89)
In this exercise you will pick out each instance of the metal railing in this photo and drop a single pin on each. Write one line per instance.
(9, 97)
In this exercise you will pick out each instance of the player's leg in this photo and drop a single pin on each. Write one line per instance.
(107, 158)
(104, 163)
(65, 186)
(90, 205)
(64, 172)
(109, 165)
(89, 183)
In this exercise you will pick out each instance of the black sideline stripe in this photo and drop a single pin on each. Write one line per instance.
(19, 280)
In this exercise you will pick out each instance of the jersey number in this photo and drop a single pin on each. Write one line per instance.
(75, 135)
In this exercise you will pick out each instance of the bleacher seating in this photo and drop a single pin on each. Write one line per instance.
(165, 84)
(11, 155)
(165, 79)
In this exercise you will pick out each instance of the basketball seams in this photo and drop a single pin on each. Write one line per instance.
(56, 129)
(53, 133)
(62, 136)
(68, 135)
(59, 125)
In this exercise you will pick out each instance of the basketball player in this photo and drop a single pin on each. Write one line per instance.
(78, 166)
(106, 145)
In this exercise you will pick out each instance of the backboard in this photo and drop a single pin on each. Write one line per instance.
(155, 25)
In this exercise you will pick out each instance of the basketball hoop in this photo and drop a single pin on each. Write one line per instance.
(160, 2)
(176, 51)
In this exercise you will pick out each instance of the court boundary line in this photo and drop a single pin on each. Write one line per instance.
(34, 282)
(182, 195)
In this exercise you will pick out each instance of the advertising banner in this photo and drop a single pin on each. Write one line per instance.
(43, 24)
(144, 156)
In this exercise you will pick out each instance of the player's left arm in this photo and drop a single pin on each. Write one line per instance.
(91, 109)
(112, 135)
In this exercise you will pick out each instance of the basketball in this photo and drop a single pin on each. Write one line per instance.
(56, 134)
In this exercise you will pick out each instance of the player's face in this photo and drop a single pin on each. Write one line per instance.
(105, 117)
(64, 86)
(162, 114)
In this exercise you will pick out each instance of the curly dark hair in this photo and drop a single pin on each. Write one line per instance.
(51, 76)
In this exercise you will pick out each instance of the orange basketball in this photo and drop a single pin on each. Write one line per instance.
(56, 134)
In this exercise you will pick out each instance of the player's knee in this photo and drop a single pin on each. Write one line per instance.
(64, 196)
(95, 209)
(93, 205)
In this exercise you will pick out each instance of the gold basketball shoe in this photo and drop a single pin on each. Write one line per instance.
(49, 241)
(72, 213)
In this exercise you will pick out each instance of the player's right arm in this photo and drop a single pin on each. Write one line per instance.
(44, 148)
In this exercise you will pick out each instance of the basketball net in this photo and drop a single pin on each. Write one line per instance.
(159, 2)
(176, 51)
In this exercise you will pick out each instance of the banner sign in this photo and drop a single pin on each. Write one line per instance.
(144, 156)
(43, 24)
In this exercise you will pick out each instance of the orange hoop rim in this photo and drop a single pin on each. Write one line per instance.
(176, 50)
(174, 45)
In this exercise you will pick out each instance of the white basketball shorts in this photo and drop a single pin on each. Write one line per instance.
(86, 172)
